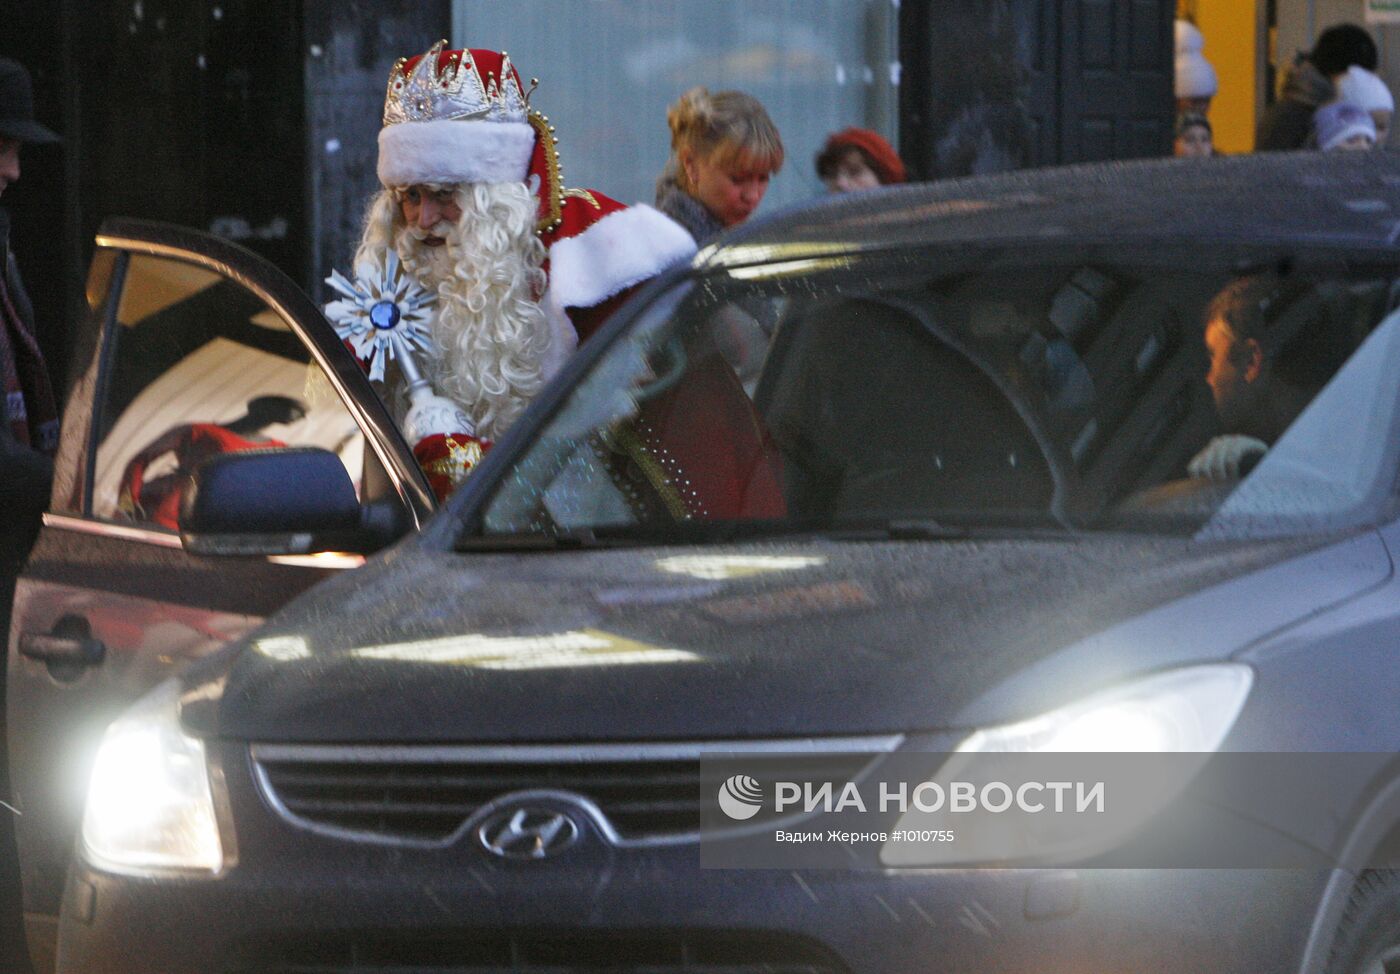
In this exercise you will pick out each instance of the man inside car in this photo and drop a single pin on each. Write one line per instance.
(1270, 352)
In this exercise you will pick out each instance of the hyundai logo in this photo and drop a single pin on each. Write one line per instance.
(528, 832)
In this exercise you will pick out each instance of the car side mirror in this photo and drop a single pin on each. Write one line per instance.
(281, 502)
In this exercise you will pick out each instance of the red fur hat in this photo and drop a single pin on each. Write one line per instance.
(883, 159)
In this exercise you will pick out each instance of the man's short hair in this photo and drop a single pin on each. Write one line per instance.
(1241, 306)
(1298, 329)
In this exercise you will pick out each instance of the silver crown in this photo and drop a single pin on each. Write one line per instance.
(458, 91)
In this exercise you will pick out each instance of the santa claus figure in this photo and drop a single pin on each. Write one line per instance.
(489, 271)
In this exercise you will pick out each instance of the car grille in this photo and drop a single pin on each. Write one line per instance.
(425, 795)
(678, 953)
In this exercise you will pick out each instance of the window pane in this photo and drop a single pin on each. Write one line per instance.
(99, 276)
(203, 366)
(817, 65)
(1044, 389)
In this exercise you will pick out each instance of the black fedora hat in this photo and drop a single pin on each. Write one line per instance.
(17, 105)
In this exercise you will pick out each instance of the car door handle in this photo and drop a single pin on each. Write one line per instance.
(71, 642)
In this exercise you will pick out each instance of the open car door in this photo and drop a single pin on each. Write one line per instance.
(192, 347)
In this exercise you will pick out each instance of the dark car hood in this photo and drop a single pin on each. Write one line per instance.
(792, 639)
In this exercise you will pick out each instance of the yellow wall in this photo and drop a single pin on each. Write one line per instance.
(1231, 32)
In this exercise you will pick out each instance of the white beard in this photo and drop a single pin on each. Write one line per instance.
(492, 335)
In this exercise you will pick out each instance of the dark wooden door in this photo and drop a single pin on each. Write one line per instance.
(1000, 84)
(1115, 79)
(1037, 26)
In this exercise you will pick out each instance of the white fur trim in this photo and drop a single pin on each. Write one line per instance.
(563, 339)
(461, 151)
(621, 249)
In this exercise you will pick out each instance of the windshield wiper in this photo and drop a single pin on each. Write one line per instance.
(738, 532)
(572, 538)
(909, 529)
(711, 532)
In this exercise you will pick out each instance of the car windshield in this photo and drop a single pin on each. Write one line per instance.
(1135, 387)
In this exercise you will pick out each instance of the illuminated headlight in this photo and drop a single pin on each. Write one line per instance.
(150, 806)
(1189, 709)
(1080, 780)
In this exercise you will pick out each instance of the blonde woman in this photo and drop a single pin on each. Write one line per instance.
(724, 150)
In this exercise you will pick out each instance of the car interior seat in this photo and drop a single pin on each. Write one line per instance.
(1147, 419)
(878, 418)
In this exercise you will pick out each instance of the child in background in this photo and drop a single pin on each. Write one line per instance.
(1193, 136)
(1311, 82)
(1343, 127)
(1366, 90)
(857, 158)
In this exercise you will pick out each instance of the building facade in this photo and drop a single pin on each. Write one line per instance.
(257, 119)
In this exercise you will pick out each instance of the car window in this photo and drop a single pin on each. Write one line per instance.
(200, 365)
(1048, 390)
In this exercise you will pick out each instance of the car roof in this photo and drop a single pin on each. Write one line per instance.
(1347, 199)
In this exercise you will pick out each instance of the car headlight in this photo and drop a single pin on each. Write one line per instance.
(149, 805)
(1104, 742)
(1189, 709)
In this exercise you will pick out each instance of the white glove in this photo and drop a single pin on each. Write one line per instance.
(431, 414)
(1222, 457)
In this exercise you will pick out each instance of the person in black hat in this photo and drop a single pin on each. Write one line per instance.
(28, 412)
(28, 438)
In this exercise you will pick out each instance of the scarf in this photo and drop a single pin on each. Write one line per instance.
(685, 209)
(29, 400)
